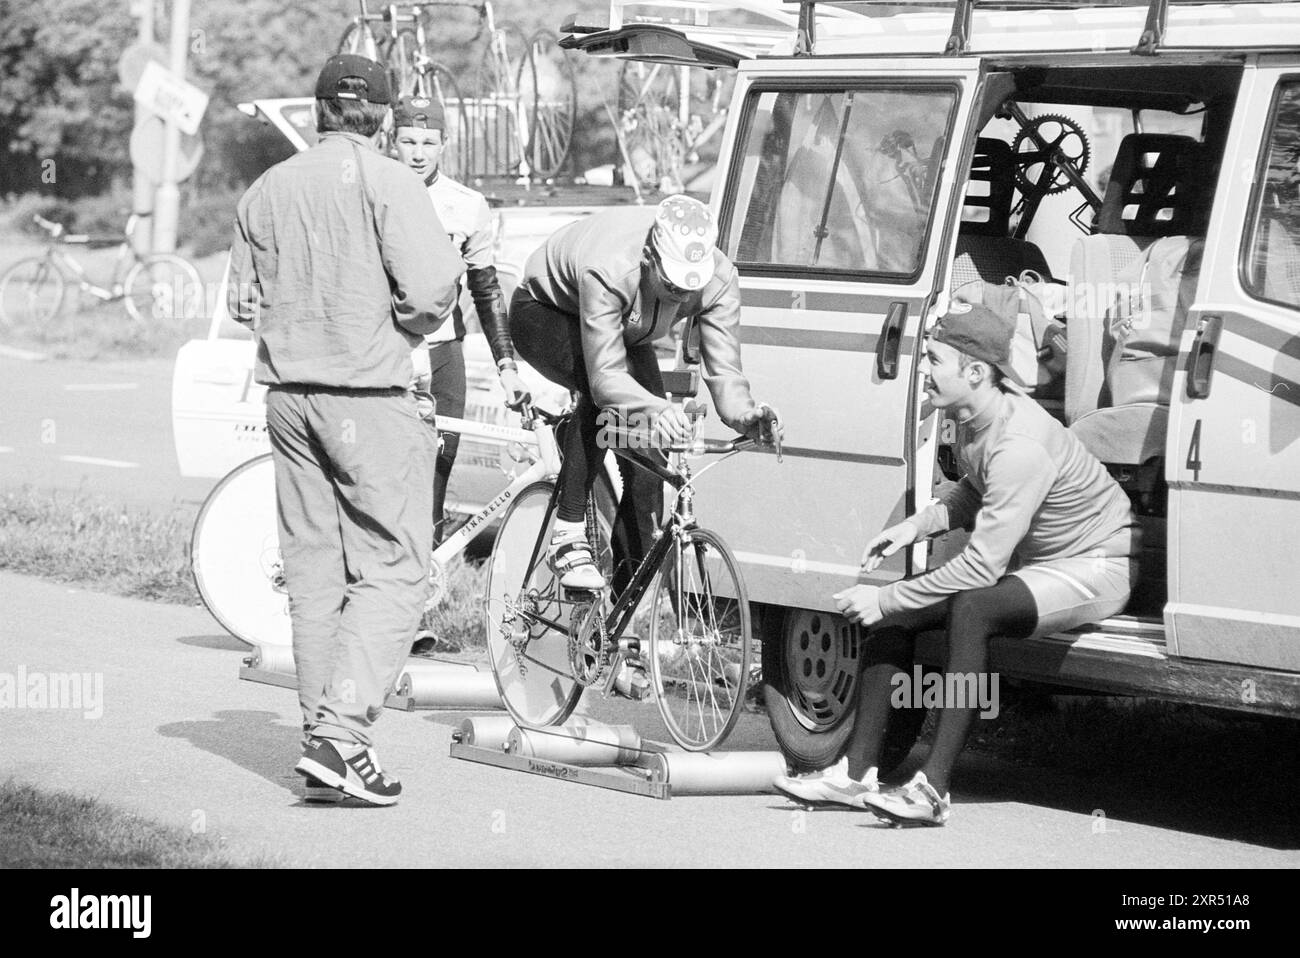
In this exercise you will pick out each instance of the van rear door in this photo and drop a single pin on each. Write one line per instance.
(1233, 452)
(838, 205)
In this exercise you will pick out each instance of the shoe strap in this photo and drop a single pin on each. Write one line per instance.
(574, 553)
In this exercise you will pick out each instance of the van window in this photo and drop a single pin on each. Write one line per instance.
(1272, 267)
(838, 180)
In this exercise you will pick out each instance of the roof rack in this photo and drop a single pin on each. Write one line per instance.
(1199, 24)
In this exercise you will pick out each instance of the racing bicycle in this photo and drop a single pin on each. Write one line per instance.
(160, 286)
(684, 609)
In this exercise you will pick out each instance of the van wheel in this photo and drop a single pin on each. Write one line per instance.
(810, 667)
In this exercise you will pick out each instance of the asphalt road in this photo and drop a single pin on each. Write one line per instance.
(182, 740)
(103, 428)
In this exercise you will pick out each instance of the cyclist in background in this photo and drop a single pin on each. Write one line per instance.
(419, 139)
(593, 299)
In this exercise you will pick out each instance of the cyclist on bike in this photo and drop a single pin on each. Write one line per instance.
(593, 299)
(419, 139)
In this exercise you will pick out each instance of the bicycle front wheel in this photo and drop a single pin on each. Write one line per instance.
(502, 123)
(401, 63)
(163, 288)
(31, 292)
(700, 641)
(548, 92)
(360, 40)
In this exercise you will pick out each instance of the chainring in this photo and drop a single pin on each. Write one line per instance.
(587, 645)
(1063, 135)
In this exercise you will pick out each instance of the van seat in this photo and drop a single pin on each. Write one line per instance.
(985, 251)
(1152, 194)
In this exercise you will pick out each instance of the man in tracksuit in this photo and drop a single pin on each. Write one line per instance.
(593, 299)
(1051, 548)
(418, 140)
(341, 267)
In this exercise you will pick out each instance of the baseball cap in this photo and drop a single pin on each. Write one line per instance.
(343, 65)
(980, 333)
(684, 237)
(420, 112)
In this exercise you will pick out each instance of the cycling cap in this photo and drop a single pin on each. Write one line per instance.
(684, 236)
(343, 65)
(419, 112)
(980, 333)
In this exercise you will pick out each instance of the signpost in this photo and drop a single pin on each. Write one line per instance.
(166, 95)
(173, 99)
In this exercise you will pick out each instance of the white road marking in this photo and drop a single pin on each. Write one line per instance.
(6, 448)
(99, 387)
(92, 461)
(13, 352)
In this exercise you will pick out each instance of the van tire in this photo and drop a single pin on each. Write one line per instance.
(807, 741)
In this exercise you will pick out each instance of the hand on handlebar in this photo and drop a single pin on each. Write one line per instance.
(517, 394)
(763, 425)
(673, 427)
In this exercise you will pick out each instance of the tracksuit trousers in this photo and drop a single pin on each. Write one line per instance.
(354, 491)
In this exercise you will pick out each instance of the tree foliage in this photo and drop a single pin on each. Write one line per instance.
(62, 99)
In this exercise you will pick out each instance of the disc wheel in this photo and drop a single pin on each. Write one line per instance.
(502, 121)
(811, 670)
(163, 289)
(235, 556)
(700, 641)
(31, 292)
(533, 677)
(1038, 168)
(549, 94)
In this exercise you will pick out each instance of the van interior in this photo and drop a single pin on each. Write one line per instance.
(1144, 190)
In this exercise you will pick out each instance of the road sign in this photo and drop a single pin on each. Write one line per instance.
(130, 66)
(166, 95)
(147, 150)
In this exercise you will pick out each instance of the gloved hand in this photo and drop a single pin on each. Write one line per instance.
(673, 427)
(516, 392)
(763, 424)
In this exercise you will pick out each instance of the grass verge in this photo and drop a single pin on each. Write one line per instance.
(78, 538)
(42, 829)
(458, 618)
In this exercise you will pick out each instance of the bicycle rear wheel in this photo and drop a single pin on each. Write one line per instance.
(700, 641)
(536, 682)
(31, 292)
(163, 288)
(549, 94)
(648, 102)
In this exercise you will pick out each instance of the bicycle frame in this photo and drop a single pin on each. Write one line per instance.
(545, 465)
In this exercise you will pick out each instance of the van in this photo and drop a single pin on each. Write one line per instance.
(1136, 171)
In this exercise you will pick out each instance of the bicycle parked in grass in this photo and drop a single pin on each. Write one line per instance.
(158, 287)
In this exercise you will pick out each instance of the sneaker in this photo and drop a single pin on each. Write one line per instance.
(358, 773)
(317, 791)
(916, 803)
(573, 562)
(830, 786)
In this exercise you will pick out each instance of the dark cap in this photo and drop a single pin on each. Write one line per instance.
(343, 65)
(419, 112)
(980, 333)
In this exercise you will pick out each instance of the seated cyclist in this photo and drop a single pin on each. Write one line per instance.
(593, 299)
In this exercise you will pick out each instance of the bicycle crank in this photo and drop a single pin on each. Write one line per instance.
(587, 642)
